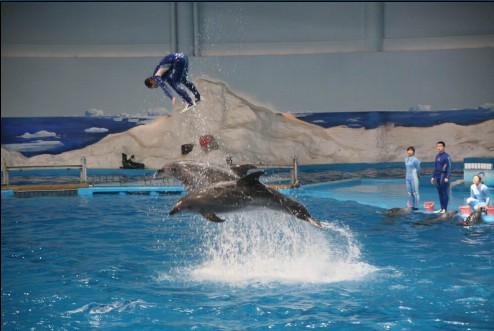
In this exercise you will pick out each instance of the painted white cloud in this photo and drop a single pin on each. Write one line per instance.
(421, 108)
(39, 134)
(34, 146)
(96, 130)
(93, 112)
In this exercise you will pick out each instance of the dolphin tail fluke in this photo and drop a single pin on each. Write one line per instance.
(212, 217)
(314, 222)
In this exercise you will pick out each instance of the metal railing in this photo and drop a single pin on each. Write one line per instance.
(82, 170)
(146, 179)
(125, 180)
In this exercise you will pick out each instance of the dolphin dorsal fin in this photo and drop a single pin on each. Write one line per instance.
(241, 169)
(251, 179)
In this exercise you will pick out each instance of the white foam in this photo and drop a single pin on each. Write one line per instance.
(264, 246)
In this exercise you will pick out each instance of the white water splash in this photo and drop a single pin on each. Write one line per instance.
(266, 246)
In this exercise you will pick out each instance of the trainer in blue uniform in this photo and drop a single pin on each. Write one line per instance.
(173, 70)
(440, 175)
(479, 194)
(412, 165)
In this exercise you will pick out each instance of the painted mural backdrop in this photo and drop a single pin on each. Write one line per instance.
(32, 136)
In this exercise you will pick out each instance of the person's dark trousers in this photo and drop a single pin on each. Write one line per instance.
(443, 191)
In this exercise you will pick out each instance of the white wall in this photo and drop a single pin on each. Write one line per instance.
(62, 58)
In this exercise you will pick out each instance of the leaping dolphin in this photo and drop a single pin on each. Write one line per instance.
(196, 175)
(236, 194)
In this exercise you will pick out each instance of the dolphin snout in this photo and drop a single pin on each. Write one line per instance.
(315, 222)
(176, 208)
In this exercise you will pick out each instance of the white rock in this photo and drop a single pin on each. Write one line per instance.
(253, 134)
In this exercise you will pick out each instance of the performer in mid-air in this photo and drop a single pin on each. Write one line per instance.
(172, 70)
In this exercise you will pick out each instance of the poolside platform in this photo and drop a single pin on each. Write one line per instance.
(44, 187)
(381, 193)
(151, 190)
(21, 191)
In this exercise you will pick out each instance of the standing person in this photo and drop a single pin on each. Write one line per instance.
(440, 175)
(479, 194)
(412, 165)
(173, 70)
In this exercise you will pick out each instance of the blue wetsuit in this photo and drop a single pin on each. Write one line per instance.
(412, 165)
(442, 170)
(177, 65)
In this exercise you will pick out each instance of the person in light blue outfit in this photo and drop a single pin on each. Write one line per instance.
(413, 172)
(479, 194)
(173, 70)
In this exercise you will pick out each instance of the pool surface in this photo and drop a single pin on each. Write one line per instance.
(114, 262)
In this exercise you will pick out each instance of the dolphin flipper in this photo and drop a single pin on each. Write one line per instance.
(210, 216)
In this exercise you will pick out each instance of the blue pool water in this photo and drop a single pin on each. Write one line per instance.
(119, 262)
